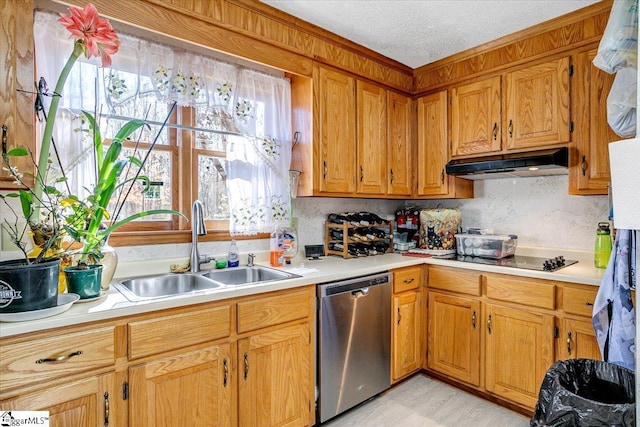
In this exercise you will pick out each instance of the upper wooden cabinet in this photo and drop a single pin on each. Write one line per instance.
(399, 147)
(589, 159)
(537, 105)
(361, 137)
(475, 118)
(334, 106)
(432, 151)
(523, 109)
(371, 105)
(16, 85)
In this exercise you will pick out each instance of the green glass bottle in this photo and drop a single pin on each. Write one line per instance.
(603, 245)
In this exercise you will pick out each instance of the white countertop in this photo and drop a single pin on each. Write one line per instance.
(327, 269)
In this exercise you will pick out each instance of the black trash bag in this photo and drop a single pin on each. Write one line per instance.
(585, 392)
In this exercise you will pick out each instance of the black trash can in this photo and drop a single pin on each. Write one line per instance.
(585, 392)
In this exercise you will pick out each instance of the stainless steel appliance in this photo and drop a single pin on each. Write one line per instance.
(354, 340)
(520, 261)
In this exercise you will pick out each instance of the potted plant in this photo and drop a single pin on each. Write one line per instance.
(51, 213)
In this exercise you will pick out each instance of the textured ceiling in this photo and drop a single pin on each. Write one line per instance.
(418, 32)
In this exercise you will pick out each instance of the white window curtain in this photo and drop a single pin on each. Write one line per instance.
(231, 98)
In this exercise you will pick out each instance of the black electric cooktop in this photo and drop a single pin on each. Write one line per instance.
(520, 261)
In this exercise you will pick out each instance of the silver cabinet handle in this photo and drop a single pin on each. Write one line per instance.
(473, 319)
(569, 343)
(489, 324)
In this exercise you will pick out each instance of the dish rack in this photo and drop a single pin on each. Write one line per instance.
(355, 236)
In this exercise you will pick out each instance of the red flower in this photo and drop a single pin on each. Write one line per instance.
(95, 34)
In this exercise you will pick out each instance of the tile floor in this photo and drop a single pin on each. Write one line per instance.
(424, 402)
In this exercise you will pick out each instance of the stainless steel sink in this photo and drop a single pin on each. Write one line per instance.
(165, 285)
(247, 275)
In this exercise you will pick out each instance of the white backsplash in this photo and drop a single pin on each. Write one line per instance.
(538, 210)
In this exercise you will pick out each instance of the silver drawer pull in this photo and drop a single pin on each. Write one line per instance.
(60, 357)
(588, 303)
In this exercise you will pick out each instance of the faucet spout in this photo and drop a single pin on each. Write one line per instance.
(197, 229)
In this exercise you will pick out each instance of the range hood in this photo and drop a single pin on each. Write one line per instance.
(533, 163)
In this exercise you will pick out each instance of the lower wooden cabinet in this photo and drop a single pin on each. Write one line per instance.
(577, 340)
(406, 334)
(407, 320)
(195, 387)
(245, 361)
(273, 378)
(89, 402)
(453, 346)
(519, 350)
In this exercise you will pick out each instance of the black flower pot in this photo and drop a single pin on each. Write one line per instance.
(27, 287)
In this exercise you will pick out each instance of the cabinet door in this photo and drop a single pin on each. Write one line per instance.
(274, 388)
(16, 107)
(475, 118)
(194, 388)
(371, 107)
(335, 122)
(406, 334)
(453, 346)
(537, 105)
(519, 350)
(399, 153)
(578, 340)
(432, 145)
(589, 166)
(87, 402)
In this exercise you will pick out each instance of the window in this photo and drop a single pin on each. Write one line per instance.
(227, 143)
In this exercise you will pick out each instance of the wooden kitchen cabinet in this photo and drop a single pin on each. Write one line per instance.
(407, 320)
(576, 337)
(433, 151)
(16, 85)
(523, 109)
(453, 346)
(195, 387)
(88, 402)
(273, 377)
(519, 351)
(476, 118)
(537, 105)
(577, 340)
(371, 105)
(399, 144)
(334, 131)
(589, 159)
(70, 374)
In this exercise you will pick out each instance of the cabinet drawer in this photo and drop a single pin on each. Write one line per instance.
(406, 279)
(579, 300)
(455, 280)
(521, 290)
(268, 311)
(53, 357)
(147, 337)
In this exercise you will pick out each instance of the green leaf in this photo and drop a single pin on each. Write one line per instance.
(12, 195)
(128, 129)
(26, 202)
(97, 138)
(136, 161)
(18, 152)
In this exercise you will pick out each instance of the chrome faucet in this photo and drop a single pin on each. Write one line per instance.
(250, 258)
(197, 229)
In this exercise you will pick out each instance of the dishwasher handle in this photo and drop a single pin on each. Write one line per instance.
(359, 293)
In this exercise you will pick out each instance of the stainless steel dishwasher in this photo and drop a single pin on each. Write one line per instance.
(354, 340)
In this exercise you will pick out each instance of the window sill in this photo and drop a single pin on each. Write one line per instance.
(143, 238)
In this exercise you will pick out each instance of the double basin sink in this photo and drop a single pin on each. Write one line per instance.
(175, 284)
